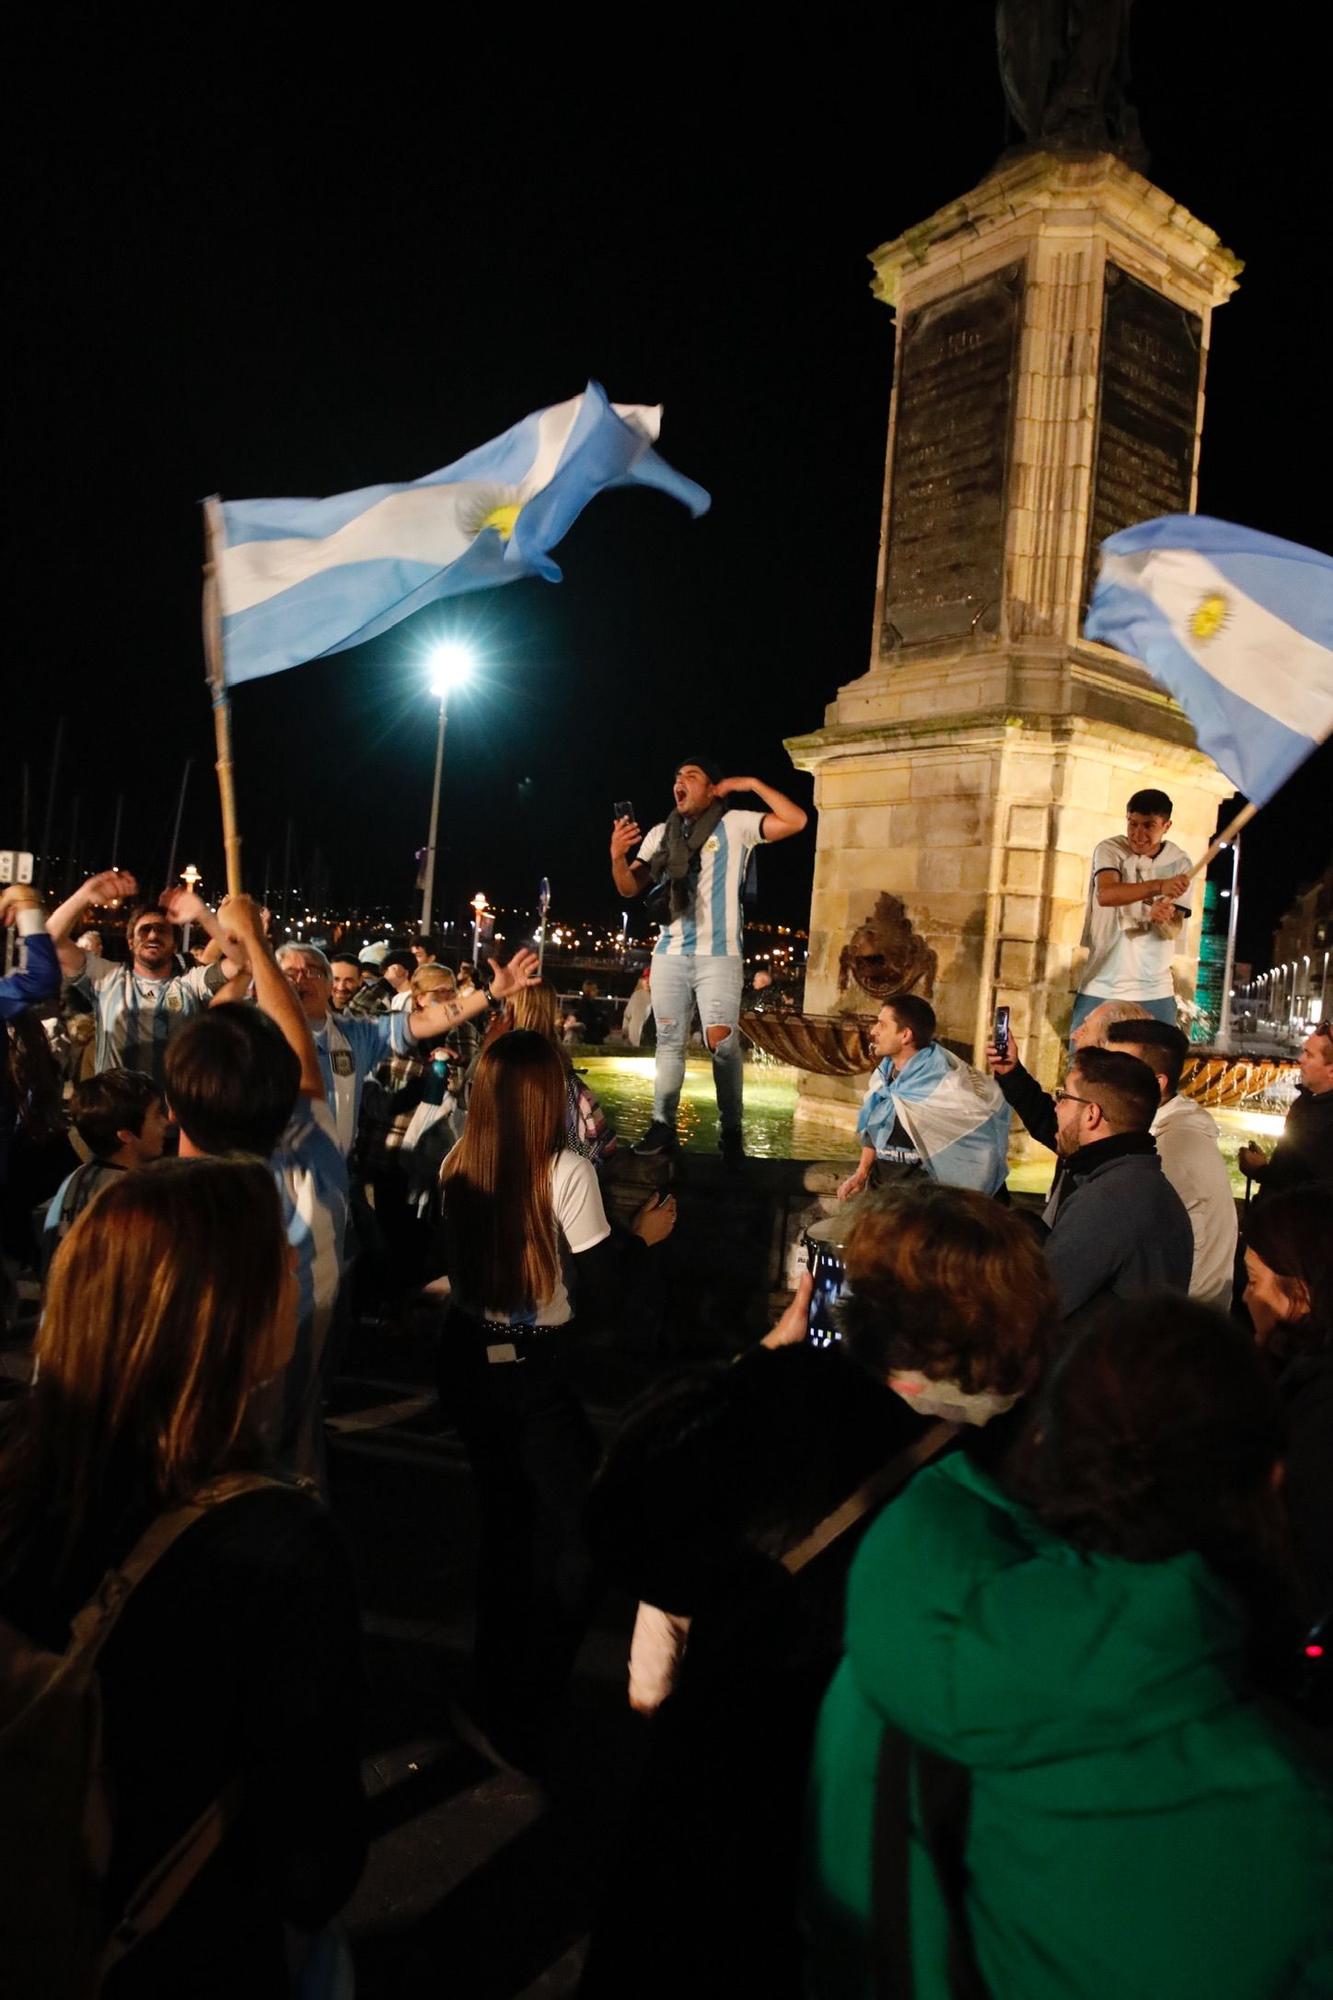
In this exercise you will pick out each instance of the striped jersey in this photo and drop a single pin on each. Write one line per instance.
(712, 926)
(311, 1177)
(136, 1017)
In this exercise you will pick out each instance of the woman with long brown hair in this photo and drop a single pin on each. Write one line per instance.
(518, 1208)
(233, 1669)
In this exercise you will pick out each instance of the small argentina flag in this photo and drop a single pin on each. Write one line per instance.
(1238, 626)
(298, 579)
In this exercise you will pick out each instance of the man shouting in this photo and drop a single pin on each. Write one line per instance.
(694, 864)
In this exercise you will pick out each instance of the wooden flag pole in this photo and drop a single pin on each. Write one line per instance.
(1228, 834)
(231, 839)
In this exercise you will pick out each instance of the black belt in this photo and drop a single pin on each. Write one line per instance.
(506, 1345)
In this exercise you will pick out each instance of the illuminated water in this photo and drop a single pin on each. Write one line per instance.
(625, 1086)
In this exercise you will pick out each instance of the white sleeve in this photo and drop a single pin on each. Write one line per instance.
(1107, 855)
(749, 825)
(97, 970)
(577, 1201)
(651, 841)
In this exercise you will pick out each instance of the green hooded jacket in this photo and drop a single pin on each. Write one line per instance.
(1139, 1829)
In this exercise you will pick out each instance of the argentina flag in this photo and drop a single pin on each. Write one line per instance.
(1238, 626)
(956, 1118)
(298, 579)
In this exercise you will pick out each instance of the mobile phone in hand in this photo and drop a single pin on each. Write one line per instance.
(622, 809)
(830, 1281)
(1000, 1037)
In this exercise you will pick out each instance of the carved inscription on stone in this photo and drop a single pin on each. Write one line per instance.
(956, 363)
(1148, 408)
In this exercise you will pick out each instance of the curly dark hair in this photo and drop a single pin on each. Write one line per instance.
(948, 1282)
(1157, 1432)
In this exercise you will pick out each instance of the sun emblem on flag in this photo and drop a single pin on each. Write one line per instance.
(1210, 615)
(495, 507)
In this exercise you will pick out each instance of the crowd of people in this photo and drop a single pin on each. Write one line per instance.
(980, 1649)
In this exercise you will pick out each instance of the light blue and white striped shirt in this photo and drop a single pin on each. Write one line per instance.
(311, 1176)
(136, 1017)
(712, 926)
(363, 1042)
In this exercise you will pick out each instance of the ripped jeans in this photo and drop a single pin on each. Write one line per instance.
(714, 985)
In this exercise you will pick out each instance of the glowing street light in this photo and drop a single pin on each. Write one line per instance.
(451, 664)
(478, 912)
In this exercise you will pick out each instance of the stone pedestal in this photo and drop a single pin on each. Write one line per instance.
(1052, 333)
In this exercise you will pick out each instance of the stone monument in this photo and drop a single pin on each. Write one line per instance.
(1052, 335)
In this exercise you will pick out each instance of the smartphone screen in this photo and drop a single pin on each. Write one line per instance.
(622, 809)
(830, 1276)
(1001, 1035)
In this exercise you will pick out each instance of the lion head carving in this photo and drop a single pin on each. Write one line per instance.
(885, 955)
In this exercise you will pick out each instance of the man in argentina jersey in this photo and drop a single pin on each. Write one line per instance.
(137, 1007)
(697, 859)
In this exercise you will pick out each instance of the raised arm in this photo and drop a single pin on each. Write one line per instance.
(783, 818)
(39, 977)
(242, 925)
(108, 887)
(630, 877)
(522, 970)
(183, 906)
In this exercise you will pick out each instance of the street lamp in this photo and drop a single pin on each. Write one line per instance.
(478, 912)
(450, 667)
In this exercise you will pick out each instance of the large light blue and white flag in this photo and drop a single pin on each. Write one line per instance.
(956, 1118)
(298, 579)
(1238, 626)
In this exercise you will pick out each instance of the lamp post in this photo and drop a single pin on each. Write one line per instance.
(191, 877)
(450, 667)
(478, 912)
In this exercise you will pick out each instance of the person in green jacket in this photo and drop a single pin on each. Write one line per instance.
(1138, 1828)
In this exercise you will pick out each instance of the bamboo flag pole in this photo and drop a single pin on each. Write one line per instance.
(231, 839)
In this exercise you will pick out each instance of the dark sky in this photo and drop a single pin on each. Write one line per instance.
(259, 255)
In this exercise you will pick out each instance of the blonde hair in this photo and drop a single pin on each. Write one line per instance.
(537, 1009)
(430, 978)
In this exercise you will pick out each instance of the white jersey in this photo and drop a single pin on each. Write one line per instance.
(1127, 960)
(712, 926)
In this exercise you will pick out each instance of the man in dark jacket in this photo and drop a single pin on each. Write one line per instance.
(1304, 1153)
(1121, 1230)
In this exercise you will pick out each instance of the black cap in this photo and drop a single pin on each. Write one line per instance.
(710, 767)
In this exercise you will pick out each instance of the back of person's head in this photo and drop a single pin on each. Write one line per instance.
(537, 1009)
(914, 1014)
(1125, 1088)
(1149, 800)
(499, 1221)
(232, 1081)
(948, 1283)
(430, 979)
(112, 1102)
(1164, 1047)
(1293, 1234)
(1157, 1432)
(164, 1309)
(403, 959)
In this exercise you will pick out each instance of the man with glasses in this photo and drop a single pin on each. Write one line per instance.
(137, 1007)
(1304, 1153)
(1121, 1231)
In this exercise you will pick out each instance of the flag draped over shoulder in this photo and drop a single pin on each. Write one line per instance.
(298, 579)
(1238, 626)
(956, 1118)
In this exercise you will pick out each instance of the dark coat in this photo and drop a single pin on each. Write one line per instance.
(1121, 1231)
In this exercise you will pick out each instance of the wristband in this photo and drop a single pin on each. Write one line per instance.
(30, 919)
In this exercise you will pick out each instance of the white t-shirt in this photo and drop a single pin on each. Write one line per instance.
(580, 1221)
(1127, 959)
(711, 927)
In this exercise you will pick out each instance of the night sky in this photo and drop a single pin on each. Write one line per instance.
(279, 258)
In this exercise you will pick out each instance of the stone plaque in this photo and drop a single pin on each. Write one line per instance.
(1148, 409)
(956, 365)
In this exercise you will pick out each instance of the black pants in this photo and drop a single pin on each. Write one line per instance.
(533, 1453)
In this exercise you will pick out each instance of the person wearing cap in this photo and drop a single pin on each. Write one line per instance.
(695, 863)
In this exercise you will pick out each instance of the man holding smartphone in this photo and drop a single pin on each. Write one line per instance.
(695, 862)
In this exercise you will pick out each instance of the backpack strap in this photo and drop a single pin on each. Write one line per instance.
(943, 1797)
(93, 1625)
(869, 1493)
